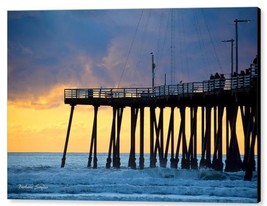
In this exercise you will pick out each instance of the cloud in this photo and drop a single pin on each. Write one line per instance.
(52, 50)
(52, 98)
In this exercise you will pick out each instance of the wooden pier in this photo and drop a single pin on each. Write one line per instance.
(212, 97)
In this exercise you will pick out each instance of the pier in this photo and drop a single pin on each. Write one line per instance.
(210, 100)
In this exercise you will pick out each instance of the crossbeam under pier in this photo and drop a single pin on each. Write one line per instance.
(206, 137)
(93, 144)
(217, 162)
(157, 144)
(114, 144)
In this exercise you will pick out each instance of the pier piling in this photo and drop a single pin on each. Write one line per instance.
(212, 106)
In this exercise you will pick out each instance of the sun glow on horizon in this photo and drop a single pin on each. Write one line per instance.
(44, 130)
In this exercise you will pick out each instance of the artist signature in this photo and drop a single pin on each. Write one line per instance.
(32, 187)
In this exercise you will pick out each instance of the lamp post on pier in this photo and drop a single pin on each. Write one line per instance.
(153, 72)
(236, 40)
(232, 58)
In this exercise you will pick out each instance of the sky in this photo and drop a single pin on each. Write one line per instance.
(52, 50)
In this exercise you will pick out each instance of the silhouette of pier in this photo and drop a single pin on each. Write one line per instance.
(210, 100)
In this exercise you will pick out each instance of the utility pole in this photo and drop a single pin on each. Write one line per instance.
(232, 56)
(172, 46)
(236, 41)
(153, 73)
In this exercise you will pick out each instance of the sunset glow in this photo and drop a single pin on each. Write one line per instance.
(49, 51)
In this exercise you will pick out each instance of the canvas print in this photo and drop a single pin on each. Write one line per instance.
(151, 105)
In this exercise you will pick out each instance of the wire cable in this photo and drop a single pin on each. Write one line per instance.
(130, 49)
(212, 42)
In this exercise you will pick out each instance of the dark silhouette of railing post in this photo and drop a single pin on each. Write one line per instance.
(67, 137)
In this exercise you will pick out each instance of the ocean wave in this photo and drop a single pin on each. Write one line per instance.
(37, 180)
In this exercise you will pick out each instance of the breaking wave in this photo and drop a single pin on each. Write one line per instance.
(35, 180)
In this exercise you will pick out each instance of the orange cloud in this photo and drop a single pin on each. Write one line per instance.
(52, 98)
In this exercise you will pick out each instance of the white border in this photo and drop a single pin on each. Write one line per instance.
(103, 4)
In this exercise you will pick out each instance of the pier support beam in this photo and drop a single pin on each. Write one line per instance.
(67, 137)
(185, 162)
(192, 151)
(114, 144)
(217, 162)
(160, 136)
(141, 158)
(233, 160)
(250, 164)
(134, 115)
(248, 120)
(159, 144)
(153, 159)
(170, 137)
(206, 137)
(182, 139)
(93, 142)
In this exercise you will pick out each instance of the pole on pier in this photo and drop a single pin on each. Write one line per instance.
(93, 141)
(236, 40)
(153, 72)
(232, 54)
(67, 137)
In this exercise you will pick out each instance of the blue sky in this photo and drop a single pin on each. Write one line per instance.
(91, 48)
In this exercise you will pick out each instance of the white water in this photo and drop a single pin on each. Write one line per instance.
(39, 176)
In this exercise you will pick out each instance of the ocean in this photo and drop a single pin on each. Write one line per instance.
(39, 176)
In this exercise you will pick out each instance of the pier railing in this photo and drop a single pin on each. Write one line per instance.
(235, 83)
